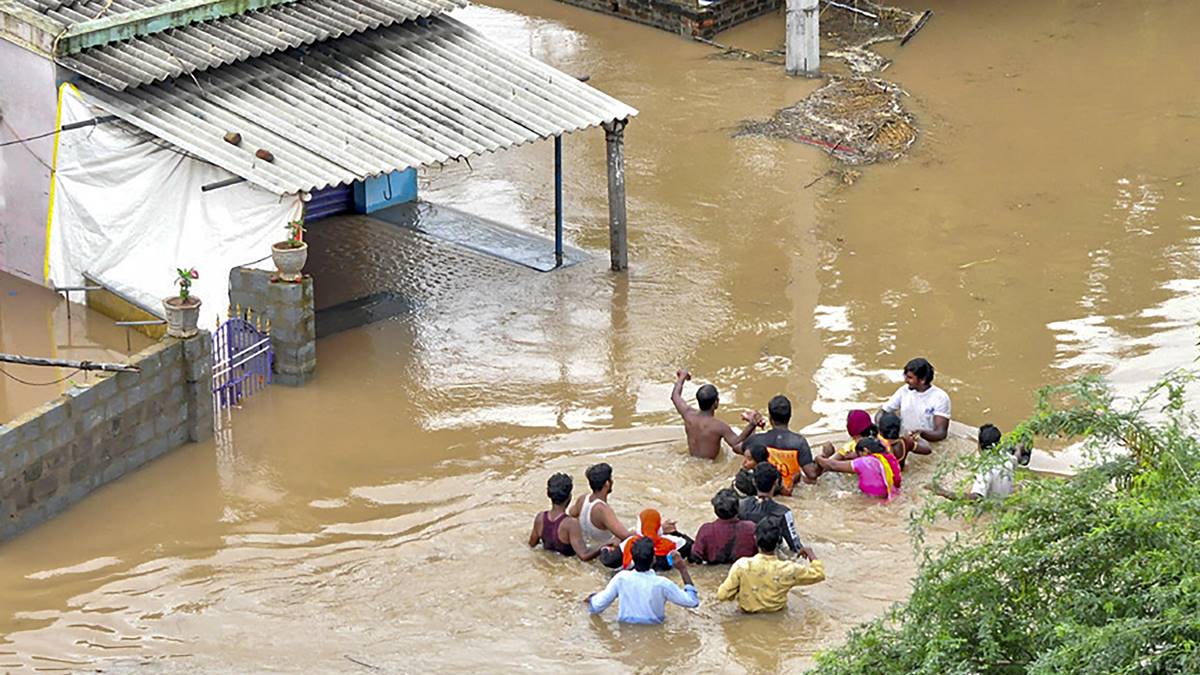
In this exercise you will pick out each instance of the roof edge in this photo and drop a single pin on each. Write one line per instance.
(150, 20)
(27, 28)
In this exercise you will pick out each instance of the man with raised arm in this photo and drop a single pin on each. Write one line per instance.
(704, 431)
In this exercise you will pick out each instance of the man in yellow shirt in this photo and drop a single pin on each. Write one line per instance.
(761, 583)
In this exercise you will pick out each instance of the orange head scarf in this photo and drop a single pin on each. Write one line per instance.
(649, 525)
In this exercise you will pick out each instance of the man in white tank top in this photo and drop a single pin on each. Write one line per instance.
(600, 525)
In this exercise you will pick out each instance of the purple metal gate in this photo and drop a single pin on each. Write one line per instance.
(242, 360)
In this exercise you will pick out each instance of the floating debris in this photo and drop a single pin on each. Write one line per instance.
(857, 120)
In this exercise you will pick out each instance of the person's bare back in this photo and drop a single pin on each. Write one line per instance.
(704, 431)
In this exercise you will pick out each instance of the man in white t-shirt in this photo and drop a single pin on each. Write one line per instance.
(923, 407)
(996, 482)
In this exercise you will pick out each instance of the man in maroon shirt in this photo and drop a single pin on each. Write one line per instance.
(725, 539)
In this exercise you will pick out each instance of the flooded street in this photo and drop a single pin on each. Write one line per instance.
(1043, 226)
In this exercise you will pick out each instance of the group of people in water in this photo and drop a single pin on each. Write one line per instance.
(753, 533)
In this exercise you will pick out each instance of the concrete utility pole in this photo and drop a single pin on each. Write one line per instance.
(803, 38)
(614, 135)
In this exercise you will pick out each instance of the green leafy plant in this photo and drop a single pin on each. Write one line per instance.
(1095, 573)
(183, 279)
(295, 237)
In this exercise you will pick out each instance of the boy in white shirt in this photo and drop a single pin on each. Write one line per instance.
(996, 482)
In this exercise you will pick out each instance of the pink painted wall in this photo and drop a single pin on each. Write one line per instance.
(28, 102)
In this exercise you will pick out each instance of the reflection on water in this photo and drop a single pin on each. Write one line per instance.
(1044, 226)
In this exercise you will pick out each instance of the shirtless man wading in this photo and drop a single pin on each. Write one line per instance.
(704, 431)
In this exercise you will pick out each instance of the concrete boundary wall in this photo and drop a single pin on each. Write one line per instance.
(289, 307)
(54, 455)
(684, 17)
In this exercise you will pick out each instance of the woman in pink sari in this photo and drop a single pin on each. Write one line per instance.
(877, 469)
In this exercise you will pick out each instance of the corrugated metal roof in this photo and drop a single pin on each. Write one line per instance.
(67, 12)
(200, 46)
(413, 94)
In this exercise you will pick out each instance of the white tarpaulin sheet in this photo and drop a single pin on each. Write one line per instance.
(126, 208)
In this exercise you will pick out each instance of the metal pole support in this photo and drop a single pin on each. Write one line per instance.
(558, 202)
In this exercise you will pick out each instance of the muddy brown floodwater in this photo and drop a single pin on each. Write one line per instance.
(1043, 226)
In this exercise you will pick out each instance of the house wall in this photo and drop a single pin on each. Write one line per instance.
(28, 105)
(54, 455)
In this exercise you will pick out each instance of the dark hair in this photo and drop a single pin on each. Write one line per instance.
(767, 534)
(989, 436)
(780, 409)
(725, 504)
(870, 432)
(598, 475)
(759, 453)
(559, 487)
(744, 482)
(921, 369)
(766, 477)
(706, 397)
(642, 553)
(1024, 454)
(611, 557)
(889, 426)
(871, 445)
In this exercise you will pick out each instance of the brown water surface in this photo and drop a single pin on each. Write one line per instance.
(1043, 226)
(34, 322)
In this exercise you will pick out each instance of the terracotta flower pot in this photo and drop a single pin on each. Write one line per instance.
(182, 315)
(289, 259)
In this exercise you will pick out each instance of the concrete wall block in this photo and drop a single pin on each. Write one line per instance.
(114, 470)
(151, 362)
(51, 418)
(78, 490)
(143, 433)
(199, 371)
(57, 460)
(83, 398)
(38, 447)
(282, 292)
(178, 436)
(17, 459)
(80, 470)
(8, 440)
(105, 389)
(63, 436)
(176, 374)
(115, 405)
(128, 381)
(44, 488)
(137, 458)
(33, 472)
(87, 422)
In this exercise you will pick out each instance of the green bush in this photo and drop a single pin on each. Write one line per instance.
(1099, 573)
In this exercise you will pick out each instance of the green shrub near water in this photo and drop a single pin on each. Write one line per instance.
(1098, 573)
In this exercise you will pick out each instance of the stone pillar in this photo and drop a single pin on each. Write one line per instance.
(289, 307)
(803, 38)
(614, 135)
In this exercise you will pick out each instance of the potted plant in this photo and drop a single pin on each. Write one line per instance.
(183, 310)
(290, 254)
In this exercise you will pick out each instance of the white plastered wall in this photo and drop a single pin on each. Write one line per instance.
(27, 107)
